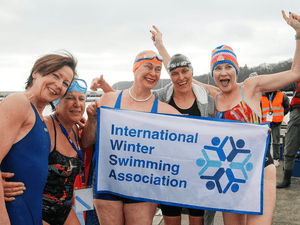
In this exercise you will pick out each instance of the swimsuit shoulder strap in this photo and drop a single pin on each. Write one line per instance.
(35, 111)
(242, 92)
(217, 100)
(154, 107)
(118, 102)
(54, 133)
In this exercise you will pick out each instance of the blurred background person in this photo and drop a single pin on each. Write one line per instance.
(292, 134)
(275, 105)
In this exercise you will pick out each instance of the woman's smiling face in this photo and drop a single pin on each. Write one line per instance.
(72, 106)
(148, 74)
(182, 78)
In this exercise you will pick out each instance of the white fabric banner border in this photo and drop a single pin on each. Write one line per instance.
(206, 202)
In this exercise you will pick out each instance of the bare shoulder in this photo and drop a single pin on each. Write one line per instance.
(251, 81)
(108, 99)
(17, 98)
(251, 86)
(15, 104)
(16, 119)
(166, 108)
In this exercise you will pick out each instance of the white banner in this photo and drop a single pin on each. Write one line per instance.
(183, 161)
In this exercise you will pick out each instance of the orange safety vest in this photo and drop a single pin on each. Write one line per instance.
(275, 106)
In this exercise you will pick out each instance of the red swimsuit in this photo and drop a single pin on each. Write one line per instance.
(242, 112)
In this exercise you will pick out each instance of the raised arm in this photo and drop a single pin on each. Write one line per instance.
(294, 21)
(157, 41)
(268, 83)
(101, 83)
(89, 131)
(291, 87)
(212, 90)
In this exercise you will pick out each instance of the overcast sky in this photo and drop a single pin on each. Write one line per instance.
(106, 35)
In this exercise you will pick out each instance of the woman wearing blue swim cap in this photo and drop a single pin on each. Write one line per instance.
(66, 158)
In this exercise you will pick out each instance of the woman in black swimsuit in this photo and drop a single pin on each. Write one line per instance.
(65, 159)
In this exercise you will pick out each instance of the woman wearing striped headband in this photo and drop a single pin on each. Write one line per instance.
(243, 101)
(112, 209)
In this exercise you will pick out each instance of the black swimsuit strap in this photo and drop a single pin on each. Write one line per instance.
(54, 132)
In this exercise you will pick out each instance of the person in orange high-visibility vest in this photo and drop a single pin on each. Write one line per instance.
(292, 143)
(274, 105)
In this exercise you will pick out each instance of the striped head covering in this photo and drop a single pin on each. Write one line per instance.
(223, 54)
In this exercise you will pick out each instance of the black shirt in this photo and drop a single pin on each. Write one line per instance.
(193, 110)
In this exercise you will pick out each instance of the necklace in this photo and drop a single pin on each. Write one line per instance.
(138, 100)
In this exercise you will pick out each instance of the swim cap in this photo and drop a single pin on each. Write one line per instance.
(223, 54)
(146, 56)
(177, 61)
(77, 85)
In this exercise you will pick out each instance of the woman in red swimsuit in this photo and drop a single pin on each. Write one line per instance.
(242, 102)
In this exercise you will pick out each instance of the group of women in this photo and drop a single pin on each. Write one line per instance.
(34, 144)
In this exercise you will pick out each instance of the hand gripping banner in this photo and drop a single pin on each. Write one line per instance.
(202, 163)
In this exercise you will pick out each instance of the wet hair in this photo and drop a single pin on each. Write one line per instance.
(50, 63)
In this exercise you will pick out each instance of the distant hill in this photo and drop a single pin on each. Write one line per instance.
(262, 69)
